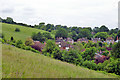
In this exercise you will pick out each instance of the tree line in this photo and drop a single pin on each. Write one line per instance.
(74, 32)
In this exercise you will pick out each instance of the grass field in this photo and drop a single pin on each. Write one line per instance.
(18, 63)
(9, 30)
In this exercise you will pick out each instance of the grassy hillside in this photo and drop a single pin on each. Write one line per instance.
(24, 64)
(25, 32)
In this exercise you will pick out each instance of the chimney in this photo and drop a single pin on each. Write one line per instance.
(117, 37)
(45, 43)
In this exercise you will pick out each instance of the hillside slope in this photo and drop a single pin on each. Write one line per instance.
(9, 30)
(26, 64)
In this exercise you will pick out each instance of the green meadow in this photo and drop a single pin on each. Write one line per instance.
(9, 30)
(18, 63)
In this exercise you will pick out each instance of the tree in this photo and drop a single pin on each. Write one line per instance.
(113, 67)
(116, 50)
(84, 33)
(52, 50)
(38, 36)
(74, 36)
(103, 28)
(17, 30)
(89, 53)
(61, 33)
(47, 35)
(9, 20)
(29, 42)
(102, 35)
(96, 29)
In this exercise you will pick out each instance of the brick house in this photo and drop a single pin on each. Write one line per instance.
(83, 40)
(95, 40)
(100, 58)
(110, 40)
(38, 46)
(70, 40)
(65, 46)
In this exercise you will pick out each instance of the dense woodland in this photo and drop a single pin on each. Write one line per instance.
(76, 56)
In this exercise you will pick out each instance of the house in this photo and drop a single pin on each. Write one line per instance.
(70, 40)
(38, 46)
(117, 39)
(58, 40)
(83, 40)
(65, 46)
(100, 58)
(95, 40)
(110, 40)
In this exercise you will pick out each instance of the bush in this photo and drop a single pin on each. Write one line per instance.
(33, 50)
(17, 30)
(90, 65)
(29, 42)
(113, 67)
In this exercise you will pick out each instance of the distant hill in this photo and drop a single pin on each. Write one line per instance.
(18, 63)
(9, 30)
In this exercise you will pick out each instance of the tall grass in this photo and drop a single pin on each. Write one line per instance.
(18, 63)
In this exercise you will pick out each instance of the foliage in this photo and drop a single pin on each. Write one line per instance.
(85, 33)
(52, 50)
(29, 42)
(61, 33)
(17, 30)
(9, 20)
(103, 28)
(89, 53)
(102, 35)
(19, 43)
(41, 36)
(113, 67)
(116, 50)
(78, 46)
(72, 56)
(90, 65)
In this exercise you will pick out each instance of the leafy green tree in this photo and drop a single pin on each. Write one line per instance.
(90, 65)
(9, 20)
(116, 50)
(89, 53)
(96, 29)
(113, 67)
(72, 56)
(47, 35)
(61, 33)
(103, 28)
(84, 33)
(102, 35)
(74, 36)
(38, 36)
(79, 46)
(52, 50)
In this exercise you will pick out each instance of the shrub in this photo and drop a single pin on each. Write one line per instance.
(12, 38)
(90, 65)
(27, 48)
(29, 42)
(17, 30)
(113, 67)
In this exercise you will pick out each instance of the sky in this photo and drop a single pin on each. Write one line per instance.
(80, 13)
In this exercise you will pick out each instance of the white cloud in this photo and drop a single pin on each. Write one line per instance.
(65, 12)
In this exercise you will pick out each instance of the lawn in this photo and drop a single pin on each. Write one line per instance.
(9, 30)
(18, 63)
